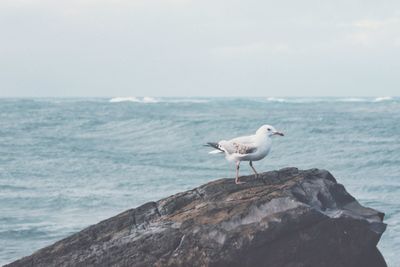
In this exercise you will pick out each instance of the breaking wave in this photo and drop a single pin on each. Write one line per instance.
(383, 98)
(148, 99)
(273, 99)
(328, 99)
(353, 99)
(145, 99)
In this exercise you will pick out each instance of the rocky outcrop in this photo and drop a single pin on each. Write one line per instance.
(282, 218)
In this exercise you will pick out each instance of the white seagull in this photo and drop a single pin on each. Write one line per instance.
(246, 148)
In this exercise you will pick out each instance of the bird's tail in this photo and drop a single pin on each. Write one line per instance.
(216, 146)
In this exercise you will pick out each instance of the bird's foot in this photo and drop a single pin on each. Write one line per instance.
(237, 181)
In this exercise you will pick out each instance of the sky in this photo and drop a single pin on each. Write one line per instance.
(96, 48)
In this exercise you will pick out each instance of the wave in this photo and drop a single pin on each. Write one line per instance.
(353, 99)
(294, 100)
(378, 99)
(304, 100)
(148, 99)
(273, 99)
(328, 99)
(187, 100)
(123, 99)
(383, 98)
(145, 99)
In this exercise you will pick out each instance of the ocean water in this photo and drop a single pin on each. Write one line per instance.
(69, 163)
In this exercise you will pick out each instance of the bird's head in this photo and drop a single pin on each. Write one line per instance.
(268, 130)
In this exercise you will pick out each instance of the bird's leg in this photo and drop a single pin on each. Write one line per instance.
(251, 165)
(237, 173)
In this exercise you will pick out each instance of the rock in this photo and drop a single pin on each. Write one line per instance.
(283, 218)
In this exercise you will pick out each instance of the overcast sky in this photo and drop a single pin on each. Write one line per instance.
(199, 48)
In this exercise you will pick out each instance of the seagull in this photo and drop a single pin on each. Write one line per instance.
(246, 148)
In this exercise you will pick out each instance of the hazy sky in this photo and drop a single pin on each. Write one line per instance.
(199, 48)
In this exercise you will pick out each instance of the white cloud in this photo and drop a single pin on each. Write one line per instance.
(373, 32)
(369, 24)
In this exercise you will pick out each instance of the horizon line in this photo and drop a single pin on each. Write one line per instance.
(351, 96)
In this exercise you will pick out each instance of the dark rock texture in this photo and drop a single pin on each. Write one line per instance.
(283, 218)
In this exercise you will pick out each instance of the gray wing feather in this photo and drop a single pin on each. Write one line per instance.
(235, 147)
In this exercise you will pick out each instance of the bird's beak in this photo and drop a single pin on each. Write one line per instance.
(278, 133)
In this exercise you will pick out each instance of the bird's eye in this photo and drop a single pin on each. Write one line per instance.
(269, 129)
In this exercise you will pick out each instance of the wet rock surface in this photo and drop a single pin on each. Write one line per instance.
(288, 218)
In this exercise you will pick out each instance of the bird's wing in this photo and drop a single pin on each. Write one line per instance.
(234, 146)
(245, 140)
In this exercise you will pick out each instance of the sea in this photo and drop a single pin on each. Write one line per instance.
(67, 163)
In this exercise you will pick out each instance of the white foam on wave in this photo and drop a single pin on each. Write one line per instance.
(383, 98)
(123, 99)
(145, 99)
(378, 99)
(187, 100)
(274, 99)
(353, 99)
(148, 99)
(298, 100)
